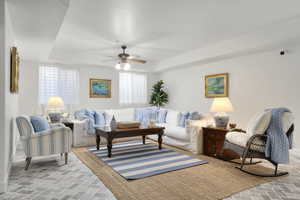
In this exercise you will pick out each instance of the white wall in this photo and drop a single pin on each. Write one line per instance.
(28, 101)
(256, 82)
(8, 101)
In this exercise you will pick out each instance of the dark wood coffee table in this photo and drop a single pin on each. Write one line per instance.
(110, 135)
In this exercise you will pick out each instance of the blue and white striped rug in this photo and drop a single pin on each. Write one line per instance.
(134, 160)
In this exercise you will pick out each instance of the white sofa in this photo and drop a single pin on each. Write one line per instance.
(187, 138)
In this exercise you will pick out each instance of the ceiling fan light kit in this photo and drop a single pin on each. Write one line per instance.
(123, 65)
(118, 66)
(124, 58)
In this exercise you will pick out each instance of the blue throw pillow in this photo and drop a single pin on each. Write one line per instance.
(161, 116)
(99, 118)
(194, 116)
(90, 114)
(39, 123)
(138, 114)
(184, 116)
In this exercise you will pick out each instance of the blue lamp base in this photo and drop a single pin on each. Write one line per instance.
(221, 121)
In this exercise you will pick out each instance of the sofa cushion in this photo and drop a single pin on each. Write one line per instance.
(172, 117)
(176, 132)
(259, 123)
(99, 118)
(39, 123)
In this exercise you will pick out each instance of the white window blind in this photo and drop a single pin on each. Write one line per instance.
(132, 88)
(58, 82)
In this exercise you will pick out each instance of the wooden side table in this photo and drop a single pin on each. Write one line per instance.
(213, 141)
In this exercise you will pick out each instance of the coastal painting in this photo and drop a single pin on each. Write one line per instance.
(216, 85)
(100, 88)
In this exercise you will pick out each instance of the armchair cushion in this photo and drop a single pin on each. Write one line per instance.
(241, 139)
(259, 123)
(237, 138)
(39, 123)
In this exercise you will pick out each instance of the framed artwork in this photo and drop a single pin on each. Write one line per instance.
(14, 70)
(100, 88)
(216, 85)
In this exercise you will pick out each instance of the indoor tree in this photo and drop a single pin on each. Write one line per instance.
(158, 97)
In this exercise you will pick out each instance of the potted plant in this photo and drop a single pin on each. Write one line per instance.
(158, 97)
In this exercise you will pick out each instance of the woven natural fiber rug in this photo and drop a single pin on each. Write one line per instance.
(216, 180)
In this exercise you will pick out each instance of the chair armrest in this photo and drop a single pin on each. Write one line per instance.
(237, 130)
(46, 133)
(254, 137)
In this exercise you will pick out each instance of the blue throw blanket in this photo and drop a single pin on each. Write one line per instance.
(278, 144)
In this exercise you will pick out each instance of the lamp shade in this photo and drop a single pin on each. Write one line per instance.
(55, 104)
(221, 105)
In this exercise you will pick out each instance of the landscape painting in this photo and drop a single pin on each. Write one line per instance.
(216, 85)
(100, 88)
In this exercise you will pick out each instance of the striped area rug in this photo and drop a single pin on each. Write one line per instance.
(133, 160)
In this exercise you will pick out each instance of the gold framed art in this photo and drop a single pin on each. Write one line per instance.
(14, 70)
(216, 85)
(100, 88)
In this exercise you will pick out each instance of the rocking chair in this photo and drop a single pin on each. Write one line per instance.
(252, 143)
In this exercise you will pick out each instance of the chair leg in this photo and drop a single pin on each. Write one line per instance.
(66, 158)
(28, 161)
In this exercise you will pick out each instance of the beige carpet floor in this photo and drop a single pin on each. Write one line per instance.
(216, 180)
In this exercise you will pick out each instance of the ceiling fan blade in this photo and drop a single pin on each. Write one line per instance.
(137, 60)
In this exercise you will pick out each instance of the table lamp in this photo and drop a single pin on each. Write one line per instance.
(221, 106)
(54, 107)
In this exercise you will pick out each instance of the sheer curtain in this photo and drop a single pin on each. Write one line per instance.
(54, 81)
(132, 88)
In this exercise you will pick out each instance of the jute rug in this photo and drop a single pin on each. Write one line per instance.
(216, 180)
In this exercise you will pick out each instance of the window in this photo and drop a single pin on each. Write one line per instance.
(132, 88)
(54, 81)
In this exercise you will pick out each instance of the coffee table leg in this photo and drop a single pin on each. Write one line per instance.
(98, 141)
(144, 139)
(159, 141)
(109, 147)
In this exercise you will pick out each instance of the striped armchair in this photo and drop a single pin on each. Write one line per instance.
(56, 140)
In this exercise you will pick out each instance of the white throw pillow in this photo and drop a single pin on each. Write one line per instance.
(173, 117)
(259, 123)
(125, 114)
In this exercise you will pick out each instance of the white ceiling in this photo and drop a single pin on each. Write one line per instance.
(91, 31)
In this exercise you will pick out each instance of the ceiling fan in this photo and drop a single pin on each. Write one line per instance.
(124, 59)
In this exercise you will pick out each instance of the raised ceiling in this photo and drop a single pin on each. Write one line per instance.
(92, 31)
